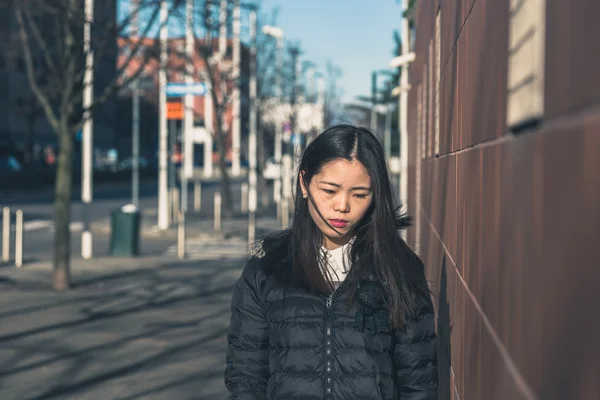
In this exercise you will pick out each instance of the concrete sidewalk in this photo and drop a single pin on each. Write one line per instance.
(151, 327)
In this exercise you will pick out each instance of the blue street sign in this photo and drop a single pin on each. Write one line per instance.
(181, 89)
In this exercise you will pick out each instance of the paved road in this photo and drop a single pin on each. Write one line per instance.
(152, 327)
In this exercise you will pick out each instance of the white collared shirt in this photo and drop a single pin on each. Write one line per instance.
(337, 261)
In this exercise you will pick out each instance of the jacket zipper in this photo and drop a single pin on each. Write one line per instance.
(328, 341)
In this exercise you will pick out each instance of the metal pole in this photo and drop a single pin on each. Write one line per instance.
(181, 236)
(172, 170)
(217, 211)
(373, 101)
(252, 140)
(244, 206)
(278, 127)
(285, 202)
(87, 141)
(222, 29)
(209, 126)
(388, 131)
(175, 203)
(188, 125)
(236, 125)
(321, 100)
(135, 118)
(135, 147)
(287, 157)
(197, 195)
(6, 234)
(163, 189)
(19, 240)
(297, 145)
(404, 118)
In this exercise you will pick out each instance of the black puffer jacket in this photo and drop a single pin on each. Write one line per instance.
(288, 344)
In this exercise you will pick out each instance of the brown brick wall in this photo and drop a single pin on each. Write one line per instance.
(509, 224)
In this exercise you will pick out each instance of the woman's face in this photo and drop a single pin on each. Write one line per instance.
(342, 192)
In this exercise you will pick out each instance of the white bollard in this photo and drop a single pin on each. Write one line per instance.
(197, 195)
(19, 240)
(5, 234)
(175, 204)
(181, 236)
(217, 216)
(244, 197)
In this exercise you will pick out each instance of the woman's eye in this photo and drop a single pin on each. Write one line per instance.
(361, 196)
(328, 191)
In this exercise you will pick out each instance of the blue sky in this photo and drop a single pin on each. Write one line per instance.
(355, 34)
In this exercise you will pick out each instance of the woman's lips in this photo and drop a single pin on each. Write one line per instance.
(338, 223)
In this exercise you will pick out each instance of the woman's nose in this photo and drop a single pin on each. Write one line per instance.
(342, 204)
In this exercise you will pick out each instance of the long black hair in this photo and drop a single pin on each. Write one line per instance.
(378, 250)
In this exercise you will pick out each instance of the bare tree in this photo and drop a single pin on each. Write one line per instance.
(51, 37)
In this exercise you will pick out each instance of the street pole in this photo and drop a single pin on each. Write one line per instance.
(373, 101)
(404, 117)
(278, 128)
(172, 176)
(236, 126)
(135, 118)
(222, 29)
(287, 157)
(209, 127)
(5, 234)
(252, 142)
(163, 203)
(321, 100)
(188, 125)
(388, 130)
(297, 99)
(87, 142)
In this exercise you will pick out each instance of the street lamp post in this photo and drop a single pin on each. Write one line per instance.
(163, 205)
(236, 126)
(404, 61)
(278, 34)
(252, 142)
(87, 132)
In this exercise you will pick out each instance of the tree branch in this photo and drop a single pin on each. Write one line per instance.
(43, 99)
(41, 43)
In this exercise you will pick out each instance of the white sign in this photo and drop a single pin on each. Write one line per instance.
(181, 89)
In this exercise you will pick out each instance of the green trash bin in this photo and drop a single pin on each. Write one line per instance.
(125, 232)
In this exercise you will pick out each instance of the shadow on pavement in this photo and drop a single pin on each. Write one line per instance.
(154, 332)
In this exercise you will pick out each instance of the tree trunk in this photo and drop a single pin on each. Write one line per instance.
(225, 181)
(62, 205)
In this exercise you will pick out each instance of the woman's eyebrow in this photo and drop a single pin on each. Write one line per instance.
(331, 183)
(354, 188)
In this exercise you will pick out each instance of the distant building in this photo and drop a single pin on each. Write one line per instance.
(150, 50)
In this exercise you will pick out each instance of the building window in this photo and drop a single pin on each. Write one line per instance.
(526, 41)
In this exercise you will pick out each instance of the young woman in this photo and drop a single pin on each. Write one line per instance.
(336, 306)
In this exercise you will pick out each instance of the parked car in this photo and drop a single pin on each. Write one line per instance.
(271, 170)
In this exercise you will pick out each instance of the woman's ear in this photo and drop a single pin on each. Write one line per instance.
(304, 189)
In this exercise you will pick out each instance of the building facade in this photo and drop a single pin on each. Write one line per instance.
(504, 115)
(148, 54)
